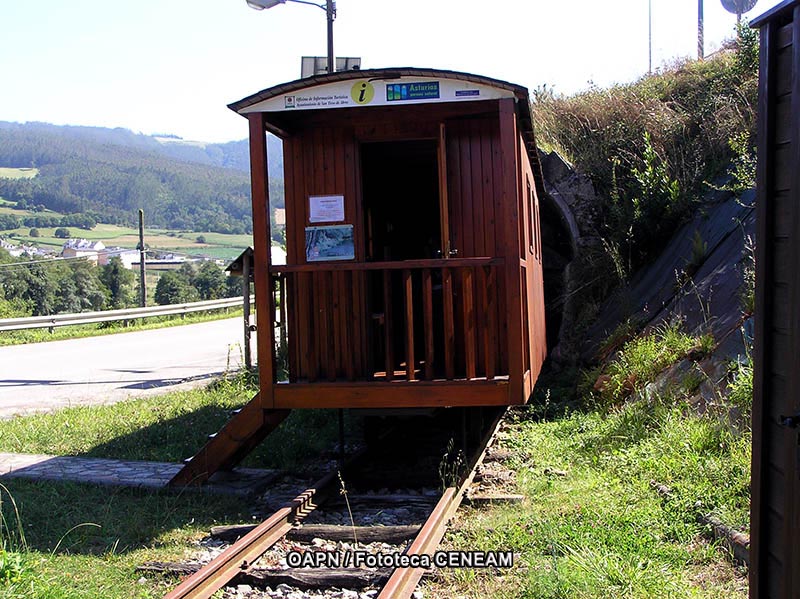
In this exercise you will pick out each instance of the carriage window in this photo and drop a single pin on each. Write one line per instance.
(532, 222)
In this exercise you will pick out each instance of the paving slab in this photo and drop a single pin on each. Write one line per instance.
(126, 473)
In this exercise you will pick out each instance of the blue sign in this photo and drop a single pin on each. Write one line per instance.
(412, 91)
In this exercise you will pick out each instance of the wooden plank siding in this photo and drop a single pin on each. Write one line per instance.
(465, 329)
(775, 556)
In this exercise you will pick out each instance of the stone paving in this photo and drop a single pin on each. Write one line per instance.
(125, 473)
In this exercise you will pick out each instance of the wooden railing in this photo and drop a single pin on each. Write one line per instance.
(382, 321)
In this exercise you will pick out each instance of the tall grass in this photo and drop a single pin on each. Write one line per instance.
(13, 560)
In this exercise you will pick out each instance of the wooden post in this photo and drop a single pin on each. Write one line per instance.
(510, 201)
(248, 361)
(261, 253)
(142, 283)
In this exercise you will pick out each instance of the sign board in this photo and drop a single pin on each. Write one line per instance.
(372, 92)
(329, 243)
(325, 209)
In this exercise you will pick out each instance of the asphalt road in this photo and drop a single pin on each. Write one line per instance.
(40, 377)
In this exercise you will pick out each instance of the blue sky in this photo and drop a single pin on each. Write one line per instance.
(172, 66)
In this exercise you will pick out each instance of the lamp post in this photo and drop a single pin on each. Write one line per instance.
(330, 11)
(649, 37)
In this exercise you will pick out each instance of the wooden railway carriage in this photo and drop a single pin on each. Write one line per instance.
(414, 270)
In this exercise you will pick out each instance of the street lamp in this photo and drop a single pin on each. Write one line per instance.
(330, 10)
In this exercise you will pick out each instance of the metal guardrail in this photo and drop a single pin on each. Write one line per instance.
(62, 320)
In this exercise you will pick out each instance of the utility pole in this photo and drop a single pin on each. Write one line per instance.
(649, 37)
(701, 53)
(140, 247)
(330, 11)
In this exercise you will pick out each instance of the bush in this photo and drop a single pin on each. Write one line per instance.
(653, 145)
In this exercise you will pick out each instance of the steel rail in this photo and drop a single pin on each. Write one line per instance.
(241, 555)
(61, 320)
(403, 581)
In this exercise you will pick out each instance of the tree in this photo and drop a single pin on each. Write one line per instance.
(233, 286)
(173, 288)
(89, 288)
(210, 281)
(188, 272)
(9, 221)
(62, 233)
(33, 232)
(118, 280)
(41, 290)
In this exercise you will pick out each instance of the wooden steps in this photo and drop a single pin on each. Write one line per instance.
(225, 449)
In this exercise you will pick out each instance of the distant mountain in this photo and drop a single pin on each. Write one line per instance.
(111, 173)
(232, 154)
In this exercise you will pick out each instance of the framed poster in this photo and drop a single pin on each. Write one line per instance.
(329, 243)
(325, 209)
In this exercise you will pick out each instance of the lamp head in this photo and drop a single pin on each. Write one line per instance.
(262, 4)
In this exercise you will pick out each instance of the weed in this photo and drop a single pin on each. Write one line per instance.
(641, 359)
(699, 251)
(13, 561)
(451, 466)
(747, 294)
(743, 165)
(622, 333)
(740, 389)
(343, 492)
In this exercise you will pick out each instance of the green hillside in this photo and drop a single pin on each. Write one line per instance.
(106, 175)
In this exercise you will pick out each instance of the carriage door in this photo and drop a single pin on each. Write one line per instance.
(401, 186)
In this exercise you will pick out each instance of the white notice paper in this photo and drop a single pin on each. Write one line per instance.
(325, 209)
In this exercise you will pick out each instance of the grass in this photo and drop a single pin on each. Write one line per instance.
(641, 359)
(166, 428)
(112, 328)
(600, 531)
(85, 541)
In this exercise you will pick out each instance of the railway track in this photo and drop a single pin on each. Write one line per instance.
(352, 552)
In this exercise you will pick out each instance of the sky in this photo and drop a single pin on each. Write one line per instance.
(173, 66)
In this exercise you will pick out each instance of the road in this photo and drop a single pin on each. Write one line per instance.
(40, 377)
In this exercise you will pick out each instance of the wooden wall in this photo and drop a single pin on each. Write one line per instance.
(490, 187)
(775, 550)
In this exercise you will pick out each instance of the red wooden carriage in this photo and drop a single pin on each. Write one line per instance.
(414, 270)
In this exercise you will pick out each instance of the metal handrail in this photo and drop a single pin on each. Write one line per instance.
(61, 320)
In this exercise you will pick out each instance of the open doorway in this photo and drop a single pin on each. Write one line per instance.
(400, 183)
(401, 200)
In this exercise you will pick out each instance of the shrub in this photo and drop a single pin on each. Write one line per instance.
(653, 145)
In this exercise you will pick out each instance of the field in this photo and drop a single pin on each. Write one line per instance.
(217, 245)
(18, 173)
